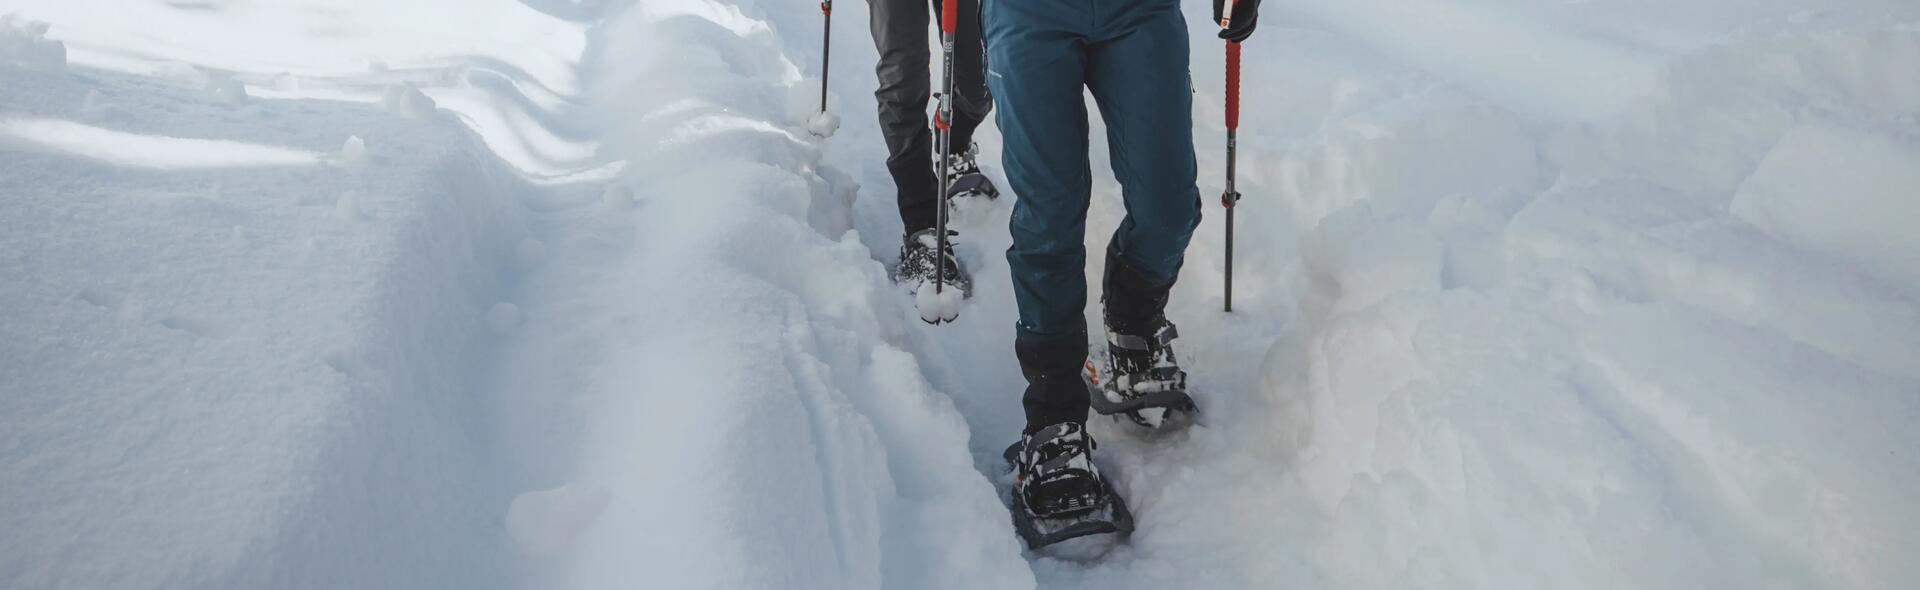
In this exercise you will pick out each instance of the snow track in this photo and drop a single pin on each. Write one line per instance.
(1531, 296)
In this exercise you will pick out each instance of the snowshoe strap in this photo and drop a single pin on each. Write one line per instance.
(971, 184)
(1177, 381)
(1059, 462)
(1163, 336)
(1051, 453)
(930, 239)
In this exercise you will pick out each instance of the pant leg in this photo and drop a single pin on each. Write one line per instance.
(900, 34)
(1036, 51)
(1039, 62)
(1138, 73)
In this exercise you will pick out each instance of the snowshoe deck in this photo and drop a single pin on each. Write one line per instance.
(1112, 517)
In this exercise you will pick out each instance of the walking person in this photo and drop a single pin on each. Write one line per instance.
(900, 32)
(1133, 55)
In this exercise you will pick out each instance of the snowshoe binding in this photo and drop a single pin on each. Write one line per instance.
(921, 258)
(967, 180)
(1142, 380)
(1058, 493)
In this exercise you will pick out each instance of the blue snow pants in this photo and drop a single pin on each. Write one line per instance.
(1042, 56)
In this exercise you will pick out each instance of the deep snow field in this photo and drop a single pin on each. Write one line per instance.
(563, 293)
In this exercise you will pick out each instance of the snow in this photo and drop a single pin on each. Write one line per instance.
(1616, 293)
(224, 88)
(25, 43)
(145, 151)
(529, 254)
(208, 379)
(618, 197)
(348, 208)
(823, 124)
(549, 522)
(503, 318)
(937, 304)
(1794, 192)
(408, 100)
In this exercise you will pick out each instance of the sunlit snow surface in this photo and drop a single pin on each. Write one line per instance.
(145, 151)
(485, 293)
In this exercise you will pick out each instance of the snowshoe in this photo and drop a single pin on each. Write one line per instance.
(967, 180)
(1058, 493)
(917, 271)
(1142, 380)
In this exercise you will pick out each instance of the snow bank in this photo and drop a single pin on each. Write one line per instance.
(734, 377)
(211, 378)
(24, 43)
(1843, 192)
(1681, 363)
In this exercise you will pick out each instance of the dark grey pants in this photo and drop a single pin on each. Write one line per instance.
(901, 33)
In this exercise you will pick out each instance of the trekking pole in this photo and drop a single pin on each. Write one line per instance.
(943, 128)
(826, 50)
(1231, 197)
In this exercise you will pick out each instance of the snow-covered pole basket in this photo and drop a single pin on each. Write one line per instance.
(824, 123)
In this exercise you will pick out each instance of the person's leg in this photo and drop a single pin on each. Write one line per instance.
(900, 33)
(1037, 60)
(1137, 70)
(972, 101)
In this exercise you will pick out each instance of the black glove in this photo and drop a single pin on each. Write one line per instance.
(1246, 14)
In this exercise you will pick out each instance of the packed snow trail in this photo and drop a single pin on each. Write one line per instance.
(1535, 296)
(1442, 367)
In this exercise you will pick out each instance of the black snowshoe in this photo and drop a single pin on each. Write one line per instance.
(920, 260)
(968, 182)
(1136, 374)
(1142, 380)
(1058, 493)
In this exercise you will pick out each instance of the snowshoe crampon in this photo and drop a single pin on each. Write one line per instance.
(1109, 515)
(936, 292)
(1155, 400)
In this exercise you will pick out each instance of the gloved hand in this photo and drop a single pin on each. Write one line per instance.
(1246, 14)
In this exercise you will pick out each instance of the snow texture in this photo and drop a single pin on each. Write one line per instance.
(503, 318)
(548, 522)
(823, 124)
(577, 294)
(24, 43)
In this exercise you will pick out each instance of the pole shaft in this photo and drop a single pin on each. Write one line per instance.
(1231, 197)
(943, 121)
(826, 50)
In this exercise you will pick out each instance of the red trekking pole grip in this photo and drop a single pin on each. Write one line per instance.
(949, 15)
(1233, 85)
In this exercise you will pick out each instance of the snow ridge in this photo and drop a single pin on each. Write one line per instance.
(750, 414)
